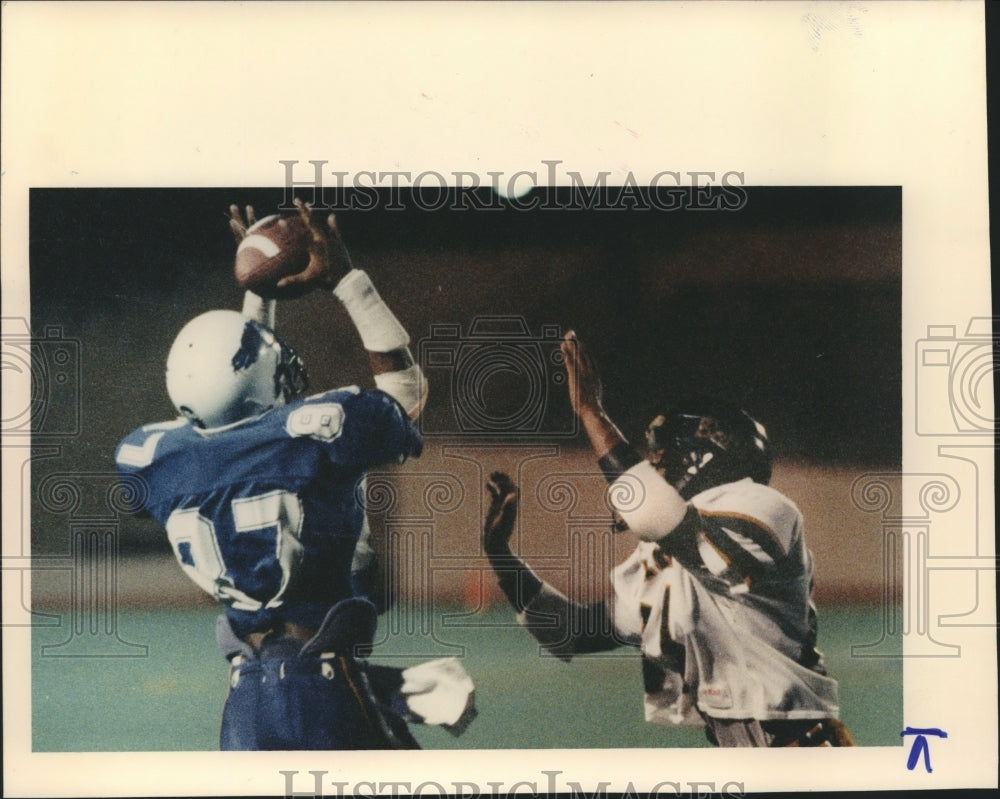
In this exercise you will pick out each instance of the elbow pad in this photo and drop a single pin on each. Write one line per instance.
(648, 504)
(407, 387)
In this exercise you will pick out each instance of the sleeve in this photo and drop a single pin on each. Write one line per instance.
(562, 626)
(137, 450)
(133, 487)
(767, 518)
(741, 532)
(136, 459)
(390, 435)
(566, 628)
(360, 429)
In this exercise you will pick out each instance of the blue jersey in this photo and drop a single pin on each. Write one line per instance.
(264, 514)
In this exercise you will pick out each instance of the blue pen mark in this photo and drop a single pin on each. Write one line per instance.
(920, 745)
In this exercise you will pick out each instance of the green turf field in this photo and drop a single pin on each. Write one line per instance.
(169, 696)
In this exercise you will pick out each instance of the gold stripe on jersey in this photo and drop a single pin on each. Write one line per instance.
(743, 564)
(752, 528)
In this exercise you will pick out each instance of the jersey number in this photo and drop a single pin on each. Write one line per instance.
(140, 456)
(197, 547)
(323, 421)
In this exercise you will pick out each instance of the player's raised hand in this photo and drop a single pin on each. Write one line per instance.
(586, 397)
(582, 378)
(501, 514)
(329, 260)
(237, 224)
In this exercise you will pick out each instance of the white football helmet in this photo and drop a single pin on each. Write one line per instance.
(224, 367)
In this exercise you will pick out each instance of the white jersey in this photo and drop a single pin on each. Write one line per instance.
(736, 600)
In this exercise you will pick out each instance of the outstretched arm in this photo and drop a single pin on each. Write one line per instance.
(643, 500)
(615, 454)
(518, 582)
(254, 306)
(382, 335)
(578, 628)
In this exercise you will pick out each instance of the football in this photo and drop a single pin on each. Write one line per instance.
(276, 246)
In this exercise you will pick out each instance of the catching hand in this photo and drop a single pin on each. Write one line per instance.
(237, 224)
(329, 260)
(501, 514)
(582, 377)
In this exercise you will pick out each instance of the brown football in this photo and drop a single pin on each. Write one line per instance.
(276, 246)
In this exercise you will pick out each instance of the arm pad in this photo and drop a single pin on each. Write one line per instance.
(407, 387)
(380, 330)
(650, 506)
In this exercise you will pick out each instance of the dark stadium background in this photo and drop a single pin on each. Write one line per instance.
(791, 304)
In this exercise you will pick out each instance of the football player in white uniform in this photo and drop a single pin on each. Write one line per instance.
(717, 595)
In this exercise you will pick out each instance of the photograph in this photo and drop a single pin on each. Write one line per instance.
(497, 399)
(725, 338)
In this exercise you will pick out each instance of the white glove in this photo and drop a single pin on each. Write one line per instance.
(440, 692)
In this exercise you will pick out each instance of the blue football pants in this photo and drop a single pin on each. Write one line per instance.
(305, 704)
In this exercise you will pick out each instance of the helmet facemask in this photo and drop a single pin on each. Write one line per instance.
(290, 377)
(698, 450)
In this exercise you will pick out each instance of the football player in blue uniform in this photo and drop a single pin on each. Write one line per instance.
(717, 594)
(260, 488)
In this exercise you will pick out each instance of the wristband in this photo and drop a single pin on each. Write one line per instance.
(618, 460)
(380, 330)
